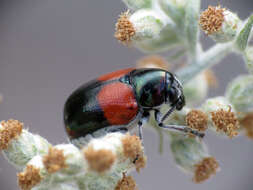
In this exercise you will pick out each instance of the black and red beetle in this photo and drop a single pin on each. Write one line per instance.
(121, 99)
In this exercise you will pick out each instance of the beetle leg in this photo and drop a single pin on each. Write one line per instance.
(140, 129)
(158, 115)
(165, 116)
(159, 118)
(144, 119)
(181, 128)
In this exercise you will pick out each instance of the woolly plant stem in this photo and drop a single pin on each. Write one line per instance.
(205, 60)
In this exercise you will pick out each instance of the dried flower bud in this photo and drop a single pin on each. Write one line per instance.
(153, 61)
(132, 148)
(9, 131)
(211, 19)
(54, 160)
(99, 160)
(73, 159)
(29, 178)
(196, 119)
(23, 146)
(219, 23)
(204, 169)
(226, 122)
(138, 4)
(126, 183)
(248, 57)
(33, 175)
(240, 93)
(192, 156)
(143, 25)
(125, 30)
(222, 117)
(150, 30)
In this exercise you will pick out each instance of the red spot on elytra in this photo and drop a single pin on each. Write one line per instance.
(118, 103)
(115, 75)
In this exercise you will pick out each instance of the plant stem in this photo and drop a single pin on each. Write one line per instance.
(205, 60)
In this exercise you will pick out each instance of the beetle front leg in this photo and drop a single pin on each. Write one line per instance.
(184, 129)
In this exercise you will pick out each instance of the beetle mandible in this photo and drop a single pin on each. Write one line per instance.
(122, 99)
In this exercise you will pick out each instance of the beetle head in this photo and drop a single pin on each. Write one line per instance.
(175, 96)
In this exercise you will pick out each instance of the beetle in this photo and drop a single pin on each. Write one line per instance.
(120, 100)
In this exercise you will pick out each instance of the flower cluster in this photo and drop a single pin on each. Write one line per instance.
(102, 164)
(160, 25)
(192, 156)
(219, 23)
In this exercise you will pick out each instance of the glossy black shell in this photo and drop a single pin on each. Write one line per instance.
(83, 114)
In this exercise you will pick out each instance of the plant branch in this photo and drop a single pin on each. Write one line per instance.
(205, 60)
